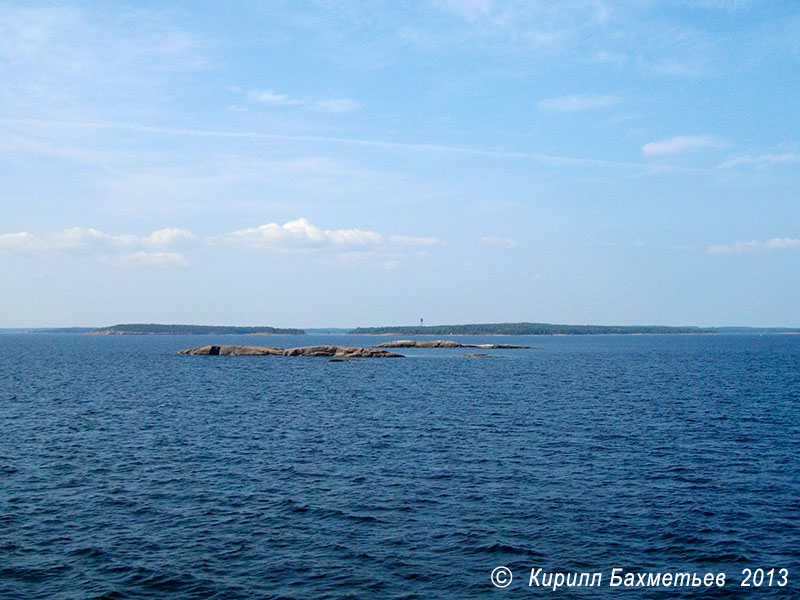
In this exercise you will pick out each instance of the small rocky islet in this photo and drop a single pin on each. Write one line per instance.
(329, 351)
(337, 352)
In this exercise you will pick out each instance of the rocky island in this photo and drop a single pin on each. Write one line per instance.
(445, 344)
(330, 351)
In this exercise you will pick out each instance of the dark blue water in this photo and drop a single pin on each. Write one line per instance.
(127, 471)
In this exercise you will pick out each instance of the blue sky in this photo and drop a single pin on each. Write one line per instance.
(364, 163)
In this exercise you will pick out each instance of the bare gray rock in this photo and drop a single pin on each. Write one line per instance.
(229, 350)
(339, 351)
(336, 351)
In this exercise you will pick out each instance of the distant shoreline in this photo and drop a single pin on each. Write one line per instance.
(483, 329)
(161, 329)
(529, 329)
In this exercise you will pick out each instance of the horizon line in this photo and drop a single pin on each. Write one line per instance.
(352, 328)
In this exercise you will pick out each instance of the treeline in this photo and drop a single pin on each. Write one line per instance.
(159, 329)
(525, 329)
(758, 330)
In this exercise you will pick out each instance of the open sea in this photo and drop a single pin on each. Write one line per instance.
(128, 471)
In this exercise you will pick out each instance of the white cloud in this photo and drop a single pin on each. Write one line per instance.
(168, 237)
(300, 235)
(19, 243)
(735, 248)
(634, 243)
(755, 246)
(334, 247)
(153, 259)
(273, 98)
(404, 240)
(576, 102)
(777, 243)
(79, 238)
(89, 240)
(761, 160)
(502, 242)
(681, 143)
(331, 105)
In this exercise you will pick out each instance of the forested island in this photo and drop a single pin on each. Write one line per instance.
(159, 329)
(525, 329)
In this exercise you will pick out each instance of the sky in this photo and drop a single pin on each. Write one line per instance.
(359, 163)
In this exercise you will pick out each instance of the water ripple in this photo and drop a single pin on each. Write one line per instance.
(129, 472)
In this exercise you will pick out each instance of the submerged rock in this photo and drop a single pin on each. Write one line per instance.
(500, 346)
(444, 344)
(337, 351)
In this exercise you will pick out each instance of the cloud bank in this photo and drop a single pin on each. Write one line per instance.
(88, 239)
(158, 248)
(755, 246)
(681, 143)
(301, 236)
(119, 249)
(576, 103)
